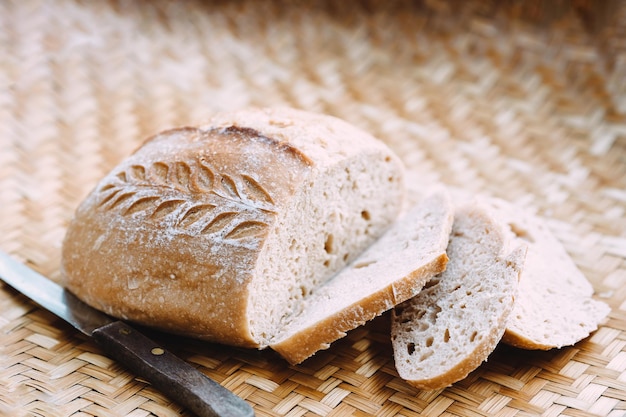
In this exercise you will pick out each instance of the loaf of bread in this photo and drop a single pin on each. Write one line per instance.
(222, 231)
(389, 272)
(455, 322)
(555, 307)
(281, 228)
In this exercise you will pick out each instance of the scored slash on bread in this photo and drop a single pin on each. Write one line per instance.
(390, 271)
(456, 321)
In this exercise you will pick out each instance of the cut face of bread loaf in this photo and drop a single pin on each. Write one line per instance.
(390, 271)
(456, 321)
(221, 231)
(554, 307)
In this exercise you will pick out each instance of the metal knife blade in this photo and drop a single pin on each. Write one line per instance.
(176, 378)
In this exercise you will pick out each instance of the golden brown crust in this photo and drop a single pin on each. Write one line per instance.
(278, 145)
(516, 340)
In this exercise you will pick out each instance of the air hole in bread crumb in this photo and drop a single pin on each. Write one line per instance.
(433, 282)
(422, 327)
(521, 232)
(473, 336)
(426, 355)
(328, 245)
(410, 348)
(326, 263)
(364, 264)
(346, 256)
(366, 215)
(429, 341)
(446, 336)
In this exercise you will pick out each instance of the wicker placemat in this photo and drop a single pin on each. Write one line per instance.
(524, 100)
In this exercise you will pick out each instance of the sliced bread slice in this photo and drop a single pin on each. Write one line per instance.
(554, 307)
(392, 270)
(452, 326)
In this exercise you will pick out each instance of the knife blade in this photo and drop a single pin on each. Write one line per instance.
(174, 377)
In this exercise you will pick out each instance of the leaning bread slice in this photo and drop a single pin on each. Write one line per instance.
(554, 307)
(452, 326)
(220, 231)
(392, 270)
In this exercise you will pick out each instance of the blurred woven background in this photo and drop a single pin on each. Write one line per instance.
(524, 100)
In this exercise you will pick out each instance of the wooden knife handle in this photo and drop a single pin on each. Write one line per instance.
(176, 378)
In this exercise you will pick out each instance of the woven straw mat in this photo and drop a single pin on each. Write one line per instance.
(523, 100)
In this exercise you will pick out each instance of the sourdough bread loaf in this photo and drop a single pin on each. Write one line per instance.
(221, 231)
(389, 272)
(555, 306)
(450, 327)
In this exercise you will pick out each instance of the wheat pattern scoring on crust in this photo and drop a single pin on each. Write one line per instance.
(187, 194)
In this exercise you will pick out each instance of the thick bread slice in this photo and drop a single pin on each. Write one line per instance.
(554, 307)
(221, 231)
(392, 270)
(452, 326)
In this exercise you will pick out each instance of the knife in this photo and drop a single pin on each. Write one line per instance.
(176, 378)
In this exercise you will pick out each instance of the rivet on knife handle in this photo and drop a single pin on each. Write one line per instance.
(169, 374)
